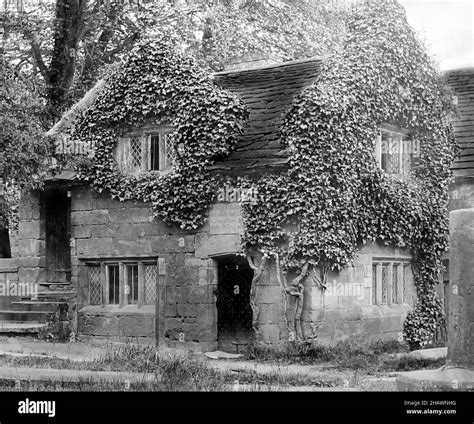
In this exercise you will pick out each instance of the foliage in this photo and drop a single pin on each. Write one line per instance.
(335, 191)
(377, 357)
(57, 49)
(285, 30)
(157, 84)
(25, 151)
(58, 326)
(64, 46)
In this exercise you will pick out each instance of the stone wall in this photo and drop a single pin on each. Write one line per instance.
(103, 228)
(31, 239)
(345, 310)
(461, 296)
(8, 282)
(461, 194)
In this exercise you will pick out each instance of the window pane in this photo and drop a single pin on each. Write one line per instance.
(131, 290)
(168, 150)
(407, 157)
(395, 283)
(155, 152)
(384, 283)
(150, 284)
(114, 285)
(391, 153)
(95, 286)
(374, 284)
(161, 151)
(411, 151)
(135, 158)
(405, 291)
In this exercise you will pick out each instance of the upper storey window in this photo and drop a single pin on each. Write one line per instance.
(146, 151)
(395, 151)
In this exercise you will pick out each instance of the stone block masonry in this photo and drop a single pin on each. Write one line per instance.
(461, 295)
(103, 229)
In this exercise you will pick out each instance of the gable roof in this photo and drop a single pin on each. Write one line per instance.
(267, 91)
(462, 82)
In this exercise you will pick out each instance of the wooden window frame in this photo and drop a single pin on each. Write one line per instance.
(401, 134)
(122, 264)
(124, 152)
(163, 149)
(392, 265)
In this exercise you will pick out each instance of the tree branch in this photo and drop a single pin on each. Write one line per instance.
(258, 272)
(38, 57)
(127, 42)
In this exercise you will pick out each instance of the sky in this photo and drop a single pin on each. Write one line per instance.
(446, 26)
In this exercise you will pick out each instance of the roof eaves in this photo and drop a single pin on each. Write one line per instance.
(315, 59)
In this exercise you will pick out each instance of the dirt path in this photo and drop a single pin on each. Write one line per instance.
(347, 380)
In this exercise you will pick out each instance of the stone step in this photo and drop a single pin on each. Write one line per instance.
(24, 316)
(56, 283)
(55, 293)
(6, 301)
(12, 328)
(67, 376)
(35, 305)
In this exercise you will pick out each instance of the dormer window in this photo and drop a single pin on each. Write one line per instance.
(396, 151)
(145, 151)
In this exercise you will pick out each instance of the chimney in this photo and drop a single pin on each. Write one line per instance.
(250, 61)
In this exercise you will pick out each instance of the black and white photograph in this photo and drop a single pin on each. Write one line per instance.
(243, 203)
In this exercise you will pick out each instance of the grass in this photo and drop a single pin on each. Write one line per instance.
(381, 356)
(178, 371)
(183, 371)
(277, 379)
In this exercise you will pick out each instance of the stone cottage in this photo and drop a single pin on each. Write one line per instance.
(124, 274)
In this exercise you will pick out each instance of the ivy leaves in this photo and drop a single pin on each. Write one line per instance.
(335, 191)
(156, 84)
(333, 198)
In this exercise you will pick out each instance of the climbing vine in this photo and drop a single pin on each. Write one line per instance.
(157, 84)
(334, 197)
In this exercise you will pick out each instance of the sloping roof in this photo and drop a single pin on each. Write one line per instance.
(267, 91)
(70, 116)
(462, 82)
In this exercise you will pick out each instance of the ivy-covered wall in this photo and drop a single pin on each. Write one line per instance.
(333, 198)
(334, 195)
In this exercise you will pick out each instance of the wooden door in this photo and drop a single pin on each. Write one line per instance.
(57, 233)
(234, 314)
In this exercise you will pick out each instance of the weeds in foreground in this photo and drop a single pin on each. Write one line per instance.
(187, 372)
(178, 372)
(381, 356)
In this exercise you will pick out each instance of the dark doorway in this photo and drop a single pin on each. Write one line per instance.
(234, 314)
(5, 251)
(57, 232)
